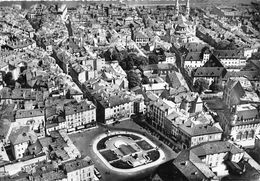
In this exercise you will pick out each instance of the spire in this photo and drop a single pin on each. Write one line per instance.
(177, 7)
(188, 8)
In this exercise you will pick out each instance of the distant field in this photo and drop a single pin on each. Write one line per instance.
(193, 3)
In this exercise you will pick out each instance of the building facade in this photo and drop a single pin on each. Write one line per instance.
(80, 115)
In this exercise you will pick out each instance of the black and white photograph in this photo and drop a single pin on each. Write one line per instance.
(130, 90)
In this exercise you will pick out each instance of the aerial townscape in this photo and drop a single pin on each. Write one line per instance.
(130, 90)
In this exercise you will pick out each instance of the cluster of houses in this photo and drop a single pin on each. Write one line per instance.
(56, 81)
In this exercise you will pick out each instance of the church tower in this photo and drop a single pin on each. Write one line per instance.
(177, 7)
(188, 8)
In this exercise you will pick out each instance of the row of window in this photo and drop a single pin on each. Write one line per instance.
(245, 135)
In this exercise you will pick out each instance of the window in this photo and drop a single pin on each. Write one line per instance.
(245, 135)
(251, 134)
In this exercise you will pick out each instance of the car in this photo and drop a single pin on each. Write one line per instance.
(97, 173)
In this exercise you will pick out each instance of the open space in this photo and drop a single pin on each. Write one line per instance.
(121, 151)
(84, 142)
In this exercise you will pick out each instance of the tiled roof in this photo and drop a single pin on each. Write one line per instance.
(78, 164)
(228, 54)
(140, 34)
(247, 111)
(210, 72)
(250, 75)
(216, 147)
(192, 167)
(198, 130)
(21, 113)
(237, 91)
(21, 135)
(79, 107)
(193, 56)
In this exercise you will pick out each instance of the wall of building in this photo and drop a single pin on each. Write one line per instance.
(245, 134)
(82, 174)
(205, 138)
(14, 168)
(19, 149)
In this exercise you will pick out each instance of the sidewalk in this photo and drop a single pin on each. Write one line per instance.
(163, 136)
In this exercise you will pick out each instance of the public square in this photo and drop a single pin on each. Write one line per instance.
(85, 140)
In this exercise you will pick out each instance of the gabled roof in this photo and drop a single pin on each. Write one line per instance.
(237, 91)
(250, 75)
(230, 54)
(21, 135)
(193, 56)
(192, 167)
(215, 147)
(176, 80)
(140, 34)
(210, 72)
(213, 62)
(197, 130)
(77, 164)
(21, 113)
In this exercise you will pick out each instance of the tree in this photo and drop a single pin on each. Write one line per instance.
(111, 55)
(22, 80)
(8, 78)
(133, 79)
(153, 59)
(145, 80)
(200, 85)
(68, 95)
(215, 87)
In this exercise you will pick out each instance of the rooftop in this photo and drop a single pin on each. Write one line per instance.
(77, 164)
(21, 135)
(215, 147)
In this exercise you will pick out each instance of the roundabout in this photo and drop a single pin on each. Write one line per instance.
(125, 151)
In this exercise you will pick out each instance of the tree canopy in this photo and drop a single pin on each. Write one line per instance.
(200, 85)
(133, 79)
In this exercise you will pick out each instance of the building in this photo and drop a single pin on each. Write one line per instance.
(80, 115)
(114, 108)
(140, 38)
(79, 169)
(189, 167)
(232, 93)
(209, 161)
(20, 138)
(192, 129)
(176, 80)
(33, 117)
(225, 12)
(216, 154)
(158, 111)
(169, 58)
(157, 85)
(113, 103)
(242, 124)
(211, 74)
(160, 69)
(231, 59)
(193, 60)
(54, 120)
(192, 134)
